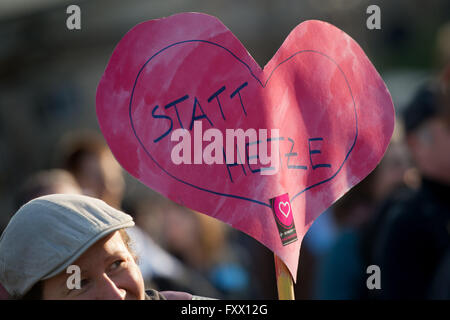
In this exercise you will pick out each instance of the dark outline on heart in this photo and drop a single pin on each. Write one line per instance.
(263, 86)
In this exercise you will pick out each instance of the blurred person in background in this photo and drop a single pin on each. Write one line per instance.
(87, 156)
(46, 182)
(414, 240)
(342, 270)
(204, 244)
(171, 272)
(225, 261)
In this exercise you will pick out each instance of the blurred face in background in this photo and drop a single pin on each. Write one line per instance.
(100, 176)
(430, 147)
(392, 170)
(181, 232)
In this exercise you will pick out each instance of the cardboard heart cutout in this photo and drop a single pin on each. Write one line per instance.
(334, 115)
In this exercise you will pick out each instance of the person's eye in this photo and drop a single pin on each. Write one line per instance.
(117, 264)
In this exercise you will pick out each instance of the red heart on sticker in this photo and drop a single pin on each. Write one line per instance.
(175, 89)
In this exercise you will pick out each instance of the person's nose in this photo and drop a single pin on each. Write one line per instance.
(109, 290)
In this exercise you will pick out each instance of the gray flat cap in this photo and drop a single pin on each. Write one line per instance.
(49, 233)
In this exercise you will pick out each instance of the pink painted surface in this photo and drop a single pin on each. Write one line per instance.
(333, 110)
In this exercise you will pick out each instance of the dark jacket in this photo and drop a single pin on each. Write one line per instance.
(413, 242)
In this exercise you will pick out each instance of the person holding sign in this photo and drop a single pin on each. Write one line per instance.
(53, 235)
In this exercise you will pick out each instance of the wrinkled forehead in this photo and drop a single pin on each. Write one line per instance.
(104, 248)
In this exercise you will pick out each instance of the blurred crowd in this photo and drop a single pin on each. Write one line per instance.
(397, 219)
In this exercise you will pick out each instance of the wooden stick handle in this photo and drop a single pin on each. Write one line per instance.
(285, 284)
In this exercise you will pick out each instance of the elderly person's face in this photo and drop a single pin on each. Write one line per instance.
(108, 271)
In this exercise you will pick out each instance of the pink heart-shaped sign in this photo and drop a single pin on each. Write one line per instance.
(332, 110)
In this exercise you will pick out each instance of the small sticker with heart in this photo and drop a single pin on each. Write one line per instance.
(283, 217)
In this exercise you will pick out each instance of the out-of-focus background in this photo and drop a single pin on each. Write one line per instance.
(49, 132)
